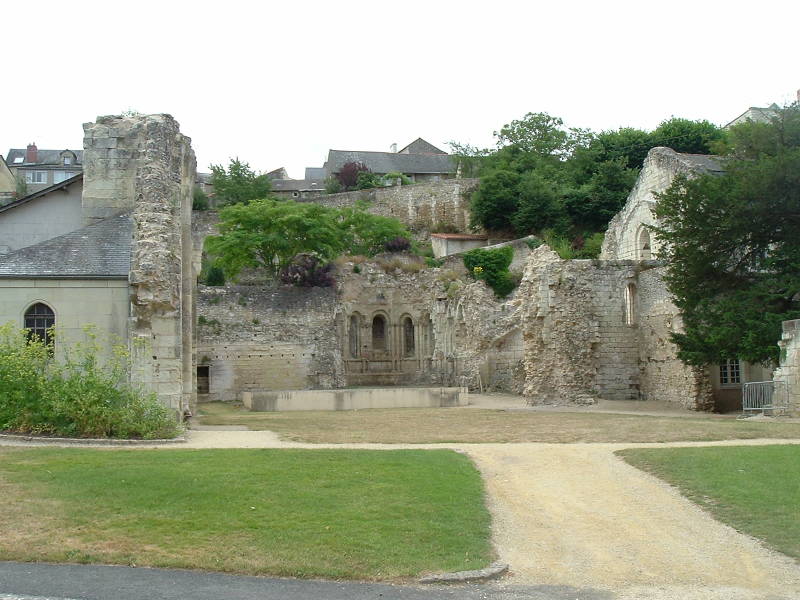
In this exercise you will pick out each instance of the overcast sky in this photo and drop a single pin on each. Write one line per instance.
(279, 83)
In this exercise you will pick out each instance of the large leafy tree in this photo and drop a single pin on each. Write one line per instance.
(268, 234)
(238, 183)
(732, 244)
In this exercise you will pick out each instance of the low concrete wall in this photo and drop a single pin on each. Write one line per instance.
(351, 399)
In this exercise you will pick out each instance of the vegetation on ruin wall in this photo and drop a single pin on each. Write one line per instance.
(732, 243)
(544, 178)
(491, 266)
(753, 489)
(352, 514)
(76, 394)
(274, 235)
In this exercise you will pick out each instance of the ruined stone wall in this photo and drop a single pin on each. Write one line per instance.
(420, 207)
(663, 375)
(577, 344)
(143, 164)
(787, 375)
(627, 237)
(267, 338)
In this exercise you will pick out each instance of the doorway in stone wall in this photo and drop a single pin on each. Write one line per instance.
(203, 379)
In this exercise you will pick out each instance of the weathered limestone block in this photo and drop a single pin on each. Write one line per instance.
(787, 375)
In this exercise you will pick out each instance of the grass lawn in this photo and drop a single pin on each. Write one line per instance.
(755, 489)
(432, 425)
(303, 513)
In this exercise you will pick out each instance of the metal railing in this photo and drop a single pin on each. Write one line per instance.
(764, 396)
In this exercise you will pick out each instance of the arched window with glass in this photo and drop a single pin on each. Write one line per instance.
(39, 321)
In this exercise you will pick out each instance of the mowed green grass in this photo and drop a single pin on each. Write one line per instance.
(304, 513)
(755, 489)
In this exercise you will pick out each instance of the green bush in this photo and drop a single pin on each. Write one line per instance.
(199, 199)
(392, 178)
(333, 186)
(74, 395)
(492, 267)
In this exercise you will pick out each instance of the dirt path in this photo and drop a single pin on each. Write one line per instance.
(576, 515)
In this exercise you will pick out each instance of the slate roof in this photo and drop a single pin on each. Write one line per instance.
(295, 185)
(314, 173)
(420, 146)
(391, 162)
(56, 186)
(101, 250)
(43, 158)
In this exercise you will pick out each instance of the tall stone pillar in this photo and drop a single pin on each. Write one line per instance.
(143, 165)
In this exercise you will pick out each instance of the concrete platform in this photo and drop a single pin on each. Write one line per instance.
(355, 398)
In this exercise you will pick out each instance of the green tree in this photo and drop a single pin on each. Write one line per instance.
(495, 201)
(691, 137)
(367, 234)
(266, 234)
(753, 140)
(239, 183)
(733, 252)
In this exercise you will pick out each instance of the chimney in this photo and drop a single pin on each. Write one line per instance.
(393, 147)
(31, 153)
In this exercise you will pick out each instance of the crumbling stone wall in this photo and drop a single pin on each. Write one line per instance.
(599, 329)
(663, 376)
(421, 207)
(628, 236)
(143, 165)
(787, 375)
(267, 338)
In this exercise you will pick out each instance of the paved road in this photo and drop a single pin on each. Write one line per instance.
(24, 581)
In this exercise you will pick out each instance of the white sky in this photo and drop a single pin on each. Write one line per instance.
(279, 83)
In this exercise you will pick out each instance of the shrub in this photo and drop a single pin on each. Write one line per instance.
(215, 276)
(492, 267)
(533, 243)
(306, 270)
(333, 186)
(392, 178)
(348, 174)
(367, 180)
(76, 395)
(397, 244)
(433, 263)
(199, 199)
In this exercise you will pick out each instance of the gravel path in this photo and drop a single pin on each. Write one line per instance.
(576, 515)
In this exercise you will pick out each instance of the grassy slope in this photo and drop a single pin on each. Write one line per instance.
(755, 489)
(326, 513)
(432, 425)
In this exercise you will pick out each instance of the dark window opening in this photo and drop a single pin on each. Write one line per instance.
(408, 337)
(379, 333)
(39, 321)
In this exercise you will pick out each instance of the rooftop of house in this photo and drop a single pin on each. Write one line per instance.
(98, 251)
(21, 157)
(704, 162)
(57, 186)
(391, 162)
(418, 157)
(296, 185)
